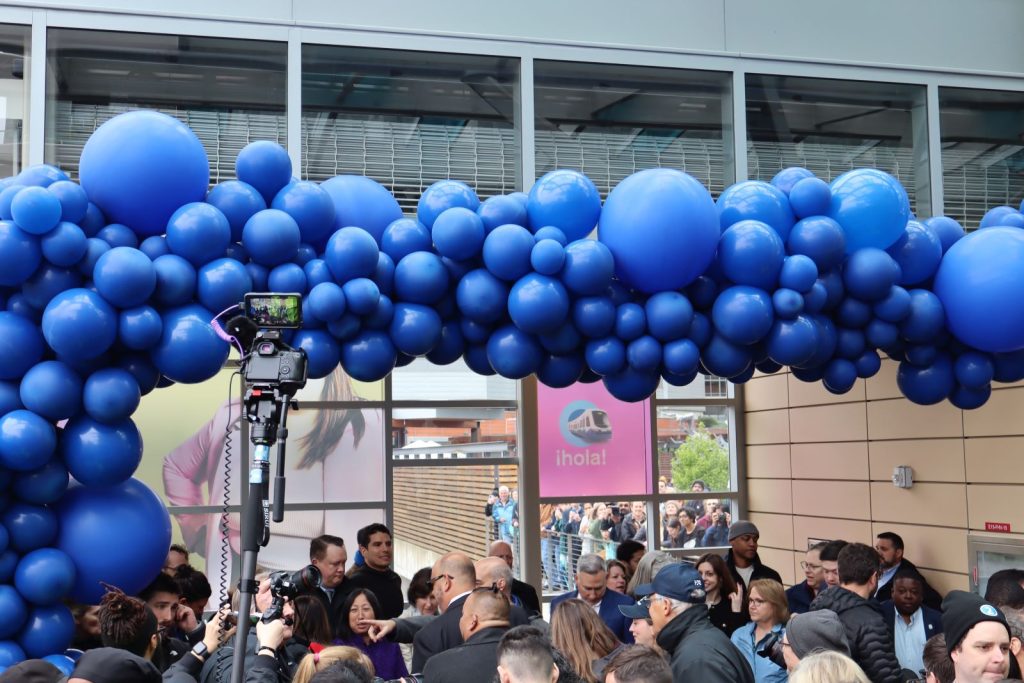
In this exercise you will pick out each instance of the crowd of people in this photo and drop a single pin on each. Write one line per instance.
(863, 613)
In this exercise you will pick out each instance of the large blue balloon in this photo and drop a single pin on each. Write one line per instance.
(661, 226)
(362, 202)
(272, 237)
(266, 166)
(125, 277)
(20, 254)
(238, 202)
(538, 304)
(52, 389)
(47, 630)
(111, 395)
(311, 207)
(567, 200)
(129, 558)
(751, 253)
(139, 167)
(758, 201)
(981, 286)
(743, 315)
(443, 195)
(98, 454)
(189, 351)
(27, 441)
(871, 206)
(45, 576)
(78, 324)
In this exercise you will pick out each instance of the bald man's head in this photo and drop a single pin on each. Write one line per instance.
(452, 574)
(493, 571)
(503, 550)
(483, 609)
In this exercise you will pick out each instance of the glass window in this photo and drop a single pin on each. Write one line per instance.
(982, 135)
(695, 448)
(409, 119)
(832, 126)
(421, 380)
(230, 92)
(570, 529)
(704, 386)
(608, 121)
(454, 433)
(14, 56)
(700, 523)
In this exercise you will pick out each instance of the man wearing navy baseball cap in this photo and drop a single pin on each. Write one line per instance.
(675, 603)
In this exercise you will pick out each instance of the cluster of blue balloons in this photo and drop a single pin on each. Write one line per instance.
(108, 288)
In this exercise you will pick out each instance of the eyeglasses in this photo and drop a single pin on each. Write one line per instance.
(757, 602)
(644, 602)
(808, 565)
(435, 579)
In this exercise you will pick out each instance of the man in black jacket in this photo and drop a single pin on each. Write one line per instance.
(870, 636)
(327, 553)
(890, 550)
(376, 573)
(697, 649)
(484, 621)
(742, 560)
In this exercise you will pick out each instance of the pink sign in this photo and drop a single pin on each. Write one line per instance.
(592, 444)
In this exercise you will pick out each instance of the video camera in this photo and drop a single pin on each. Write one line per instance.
(269, 361)
(284, 586)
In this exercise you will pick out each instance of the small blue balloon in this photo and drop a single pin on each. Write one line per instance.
(140, 328)
(404, 236)
(444, 195)
(223, 283)
(974, 370)
(787, 303)
(20, 254)
(743, 315)
(632, 385)
(850, 344)
(421, 278)
(458, 233)
(594, 316)
(380, 317)
(21, 345)
(93, 222)
(311, 207)
(871, 206)
(322, 351)
(681, 357)
(118, 235)
(415, 329)
(895, 307)
(238, 201)
(475, 358)
(606, 356)
(870, 273)
(482, 297)
(547, 257)
(52, 389)
(111, 395)
(820, 238)
(917, 252)
(15, 613)
(266, 166)
(102, 454)
(792, 342)
(946, 229)
(853, 313)
(566, 199)
(589, 267)
(840, 376)
(94, 248)
(549, 232)
(175, 280)
(927, 385)
(363, 202)
(669, 315)
(559, 371)
(799, 272)
(27, 440)
(757, 201)
(287, 277)
(562, 341)
(198, 232)
(361, 295)
(502, 210)
(369, 356)
(751, 253)
(65, 245)
(35, 210)
(538, 304)
(868, 364)
(327, 301)
(881, 334)
(73, 200)
(43, 486)
(272, 237)
(507, 250)
(450, 346)
(630, 321)
(351, 253)
(125, 277)
(788, 177)
(644, 353)
(29, 526)
(154, 247)
(513, 353)
(966, 398)
(189, 351)
(317, 271)
(995, 216)
(810, 197)
(926, 320)
(45, 576)
(725, 359)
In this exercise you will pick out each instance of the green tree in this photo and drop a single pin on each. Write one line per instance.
(701, 457)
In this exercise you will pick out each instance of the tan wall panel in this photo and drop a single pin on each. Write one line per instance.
(944, 582)
(776, 530)
(842, 422)
(932, 459)
(988, 503)
(798, 572)
(768, 461)
(931, 547)
(995, 460)
(769, 426)
(779, 560)
(883, 385)
(847, 460)
(1001, 416)
(815, 393)
(846, 499)
(766, 392)
(901, 419)
(770, 495)
(828, 529)
(934, 504)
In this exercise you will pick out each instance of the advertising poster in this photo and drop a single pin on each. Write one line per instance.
(592, 444)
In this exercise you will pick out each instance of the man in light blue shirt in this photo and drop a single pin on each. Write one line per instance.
(913, 623)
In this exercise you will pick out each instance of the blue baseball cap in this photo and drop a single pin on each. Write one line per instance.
(678, 581)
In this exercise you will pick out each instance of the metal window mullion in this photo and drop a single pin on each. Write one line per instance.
(935, 149)
(37, 90)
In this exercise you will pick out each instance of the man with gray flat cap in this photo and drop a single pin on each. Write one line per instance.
(698, 651)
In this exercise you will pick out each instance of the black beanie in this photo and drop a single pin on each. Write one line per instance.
(114, 665)
(961, 611)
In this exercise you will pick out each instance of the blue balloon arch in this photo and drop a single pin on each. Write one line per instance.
(109, 287)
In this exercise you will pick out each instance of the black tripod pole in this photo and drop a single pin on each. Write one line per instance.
(255, 531)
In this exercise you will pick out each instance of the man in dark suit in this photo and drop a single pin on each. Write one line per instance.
(485, 619)
(452, 579)
(889, 547)
(912, 622)
(523, 592)
(591, 578)
(327, 553)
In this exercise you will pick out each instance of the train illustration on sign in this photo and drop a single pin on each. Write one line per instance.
(591, 425)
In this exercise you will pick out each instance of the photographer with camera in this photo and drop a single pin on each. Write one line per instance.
(760, 641)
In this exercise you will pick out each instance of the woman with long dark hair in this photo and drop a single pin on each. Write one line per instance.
(362, 606)
(724, 597)
(579, 634)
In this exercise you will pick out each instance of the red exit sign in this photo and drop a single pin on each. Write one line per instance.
(1001, 527)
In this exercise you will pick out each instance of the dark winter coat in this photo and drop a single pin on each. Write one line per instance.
(700, 652)
(870, 635)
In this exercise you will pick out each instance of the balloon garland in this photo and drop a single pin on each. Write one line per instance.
(109, 287)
